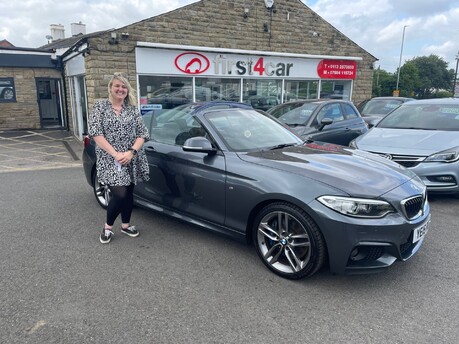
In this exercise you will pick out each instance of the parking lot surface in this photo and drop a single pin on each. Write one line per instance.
(22, 150)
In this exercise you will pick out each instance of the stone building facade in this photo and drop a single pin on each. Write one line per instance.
(33, 81)
(291, 28)
(288, 31)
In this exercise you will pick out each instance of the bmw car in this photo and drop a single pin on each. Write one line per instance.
(423, 136)
(302, 205)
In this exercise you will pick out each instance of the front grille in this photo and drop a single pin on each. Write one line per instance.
(404, 160)
(412, 207)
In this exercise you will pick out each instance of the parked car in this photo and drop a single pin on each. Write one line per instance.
(262, 102)
(6, 93)
(231, 169)
(171, 97)
(333, 121)
(423, 136)
(372, 110)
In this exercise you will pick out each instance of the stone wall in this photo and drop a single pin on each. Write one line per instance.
(24, 113)
(293, 28)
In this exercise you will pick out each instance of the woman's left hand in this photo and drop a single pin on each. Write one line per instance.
(124, 158)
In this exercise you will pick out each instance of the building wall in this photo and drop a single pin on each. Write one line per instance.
(293, 28)
(24, 113)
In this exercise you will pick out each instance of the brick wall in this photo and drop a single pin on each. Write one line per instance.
(294, 28)
(24, 113)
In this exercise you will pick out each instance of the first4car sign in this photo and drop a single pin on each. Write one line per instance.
(176, 62)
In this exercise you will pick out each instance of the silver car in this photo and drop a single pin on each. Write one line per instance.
(422, 136)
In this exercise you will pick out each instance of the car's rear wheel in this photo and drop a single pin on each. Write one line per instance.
(101, 191)
(8, 93)
(288, 241)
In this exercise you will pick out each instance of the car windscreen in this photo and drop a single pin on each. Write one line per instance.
(298, 116)
(425, 117)
(247, 130)
(380, 106)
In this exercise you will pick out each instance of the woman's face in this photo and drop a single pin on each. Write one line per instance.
(119, 90)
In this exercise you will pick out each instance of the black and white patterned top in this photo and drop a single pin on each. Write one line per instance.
(120, 131)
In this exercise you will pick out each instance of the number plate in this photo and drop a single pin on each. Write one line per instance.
(419, 232)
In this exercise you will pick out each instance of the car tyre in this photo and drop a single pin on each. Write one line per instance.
(7, 94)
(296, 248)
(101, 191)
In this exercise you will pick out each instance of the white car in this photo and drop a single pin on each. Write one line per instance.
(423, 136)
(6, 92)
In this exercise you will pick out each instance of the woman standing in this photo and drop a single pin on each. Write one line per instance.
(117, 128)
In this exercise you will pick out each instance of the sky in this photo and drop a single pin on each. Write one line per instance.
(380, 27)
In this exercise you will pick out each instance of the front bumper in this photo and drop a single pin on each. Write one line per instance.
(439, 177)
(358, 246)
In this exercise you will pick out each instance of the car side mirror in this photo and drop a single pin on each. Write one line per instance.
(198, 144)
(325, 121)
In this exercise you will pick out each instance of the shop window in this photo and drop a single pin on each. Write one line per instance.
(162, 92)
(218, 89)
(262, 94)
(335, 89)
(300, 89)
(7, 90)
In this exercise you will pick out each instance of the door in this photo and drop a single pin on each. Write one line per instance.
(49, 102)
(79, 105)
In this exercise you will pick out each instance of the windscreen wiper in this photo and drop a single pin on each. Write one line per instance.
(283, 145)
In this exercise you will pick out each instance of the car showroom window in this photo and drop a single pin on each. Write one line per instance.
(7, 90)
(164, 92)
(217, 89)
(301, 89)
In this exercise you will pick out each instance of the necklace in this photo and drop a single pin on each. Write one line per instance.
(117, 109)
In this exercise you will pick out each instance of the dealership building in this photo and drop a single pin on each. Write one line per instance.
(261, 52)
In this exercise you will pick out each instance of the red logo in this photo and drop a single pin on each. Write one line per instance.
(192, 63)
(337, 69)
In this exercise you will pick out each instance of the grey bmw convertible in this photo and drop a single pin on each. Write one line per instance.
(302, 205)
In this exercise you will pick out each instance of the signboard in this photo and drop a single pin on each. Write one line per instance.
(337, 69)
(237, 65)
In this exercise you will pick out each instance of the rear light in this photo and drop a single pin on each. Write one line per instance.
(86, 141)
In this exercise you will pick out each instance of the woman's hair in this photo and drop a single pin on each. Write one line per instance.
(131, 98)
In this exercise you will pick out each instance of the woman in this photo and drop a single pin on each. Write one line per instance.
(119, 132)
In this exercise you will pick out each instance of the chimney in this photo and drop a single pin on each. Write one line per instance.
(57, 31)
(78, 28)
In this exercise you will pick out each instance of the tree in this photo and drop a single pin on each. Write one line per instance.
(383, 83)
(421, 77)
(410, 81)
(433, 75)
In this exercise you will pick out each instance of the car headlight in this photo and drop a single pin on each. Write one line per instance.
(449, 155)
(357, 207)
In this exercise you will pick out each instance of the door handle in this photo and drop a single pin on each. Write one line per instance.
(150, 149)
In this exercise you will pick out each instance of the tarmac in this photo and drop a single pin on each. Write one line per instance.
(25, 150)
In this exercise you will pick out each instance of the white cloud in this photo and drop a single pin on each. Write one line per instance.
(376, 25)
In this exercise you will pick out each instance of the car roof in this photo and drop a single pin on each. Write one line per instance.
(391, 97)
(203, 106)
(319, 101)
(433, 101)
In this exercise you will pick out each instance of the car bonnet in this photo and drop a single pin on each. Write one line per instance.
(356, 173)
(407, 141)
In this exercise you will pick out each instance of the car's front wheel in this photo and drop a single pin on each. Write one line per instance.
(288, 241)
(101, 191)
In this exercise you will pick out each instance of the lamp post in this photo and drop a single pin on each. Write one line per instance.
(455, 75)
(400, 61)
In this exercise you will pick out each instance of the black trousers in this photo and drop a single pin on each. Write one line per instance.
(121, 202)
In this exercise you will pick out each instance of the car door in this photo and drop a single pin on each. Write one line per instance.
(185, 182)
(333, 133)
(354, 123)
